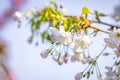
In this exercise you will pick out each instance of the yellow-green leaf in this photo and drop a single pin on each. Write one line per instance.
(102, 15)
(54, 4)
(85, 10)
(43, 35)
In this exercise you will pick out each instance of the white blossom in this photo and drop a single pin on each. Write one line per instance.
(115, 36)
(110, 43)
(84, 41)
(77, 48)
(80, 43)
(114, 41)
(61, 36)
(110, 75)
(77, 57)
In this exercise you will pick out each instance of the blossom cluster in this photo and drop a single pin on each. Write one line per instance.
(114, 41)
(70, 39)
(67, 40)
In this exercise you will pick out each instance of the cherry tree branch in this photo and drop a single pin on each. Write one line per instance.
(110, 25)
(99, 29)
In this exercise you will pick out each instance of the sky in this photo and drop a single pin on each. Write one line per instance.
(25, 60)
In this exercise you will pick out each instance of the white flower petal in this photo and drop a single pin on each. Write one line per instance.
(72, 45)
(110, 43)
(61, 28)
(82, 42)
(77, 49)
(115, 36)
(60, 35)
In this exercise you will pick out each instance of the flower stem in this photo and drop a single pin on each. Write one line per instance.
(101, 52)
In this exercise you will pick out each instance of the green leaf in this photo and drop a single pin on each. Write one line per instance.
(38, 24)
(43, 35)
(54, 4)
(96, 13)
(32, 21)
(102, 15)
(85, 10)
(67, 23)
(99, 14)
(54, 22)
(49, 38)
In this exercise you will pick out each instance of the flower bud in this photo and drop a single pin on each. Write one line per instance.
(30, 39)
(65, 59)
(17, 15)
(84, 61)
(61, 6)
(78, 76)
(60, 61)
(44, 54)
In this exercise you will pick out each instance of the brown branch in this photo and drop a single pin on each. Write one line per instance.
(110, 25)
(100, 22)
(99, 29)
(6, 71)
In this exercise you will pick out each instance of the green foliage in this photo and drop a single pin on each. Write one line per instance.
(54, 4)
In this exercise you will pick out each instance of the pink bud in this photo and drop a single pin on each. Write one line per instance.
(84, 61)
(17, 15)
(65, 59)
(44, 54)
(118, 49)
(78, 76)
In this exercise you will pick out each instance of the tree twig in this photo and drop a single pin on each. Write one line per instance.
(99, 29)
(110, 25)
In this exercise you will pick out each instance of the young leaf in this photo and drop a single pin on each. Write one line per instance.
(102, 15)
(43, 35)
(54, 4)
(85, 10)
(38, 24)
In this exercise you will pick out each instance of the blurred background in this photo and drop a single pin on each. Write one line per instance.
(24, 60)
